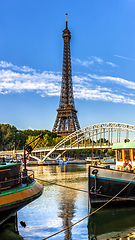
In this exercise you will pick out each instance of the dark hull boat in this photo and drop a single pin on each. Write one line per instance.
(105, 183)
(17, 189)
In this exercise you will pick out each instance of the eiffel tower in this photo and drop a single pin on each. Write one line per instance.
(66, 121)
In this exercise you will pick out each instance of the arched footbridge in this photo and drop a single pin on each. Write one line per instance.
(97, 136)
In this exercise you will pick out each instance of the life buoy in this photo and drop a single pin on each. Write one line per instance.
(119, 167)
(127, 166)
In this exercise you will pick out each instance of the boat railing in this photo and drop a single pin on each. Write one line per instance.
(24, 178)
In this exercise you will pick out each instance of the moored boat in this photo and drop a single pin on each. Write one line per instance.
(108, 160)
(17, 189)
(105, 183)
(93, 160)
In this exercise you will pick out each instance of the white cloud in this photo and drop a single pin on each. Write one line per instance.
(97, 59)
(79, 79)
(92, 61)
(5, 64)
(99, 95)
(112, 64)
(31, 128)
(118, 80)
(87, 63)
(19, 82)
(84, 63)
(49, 84)
(124, 57)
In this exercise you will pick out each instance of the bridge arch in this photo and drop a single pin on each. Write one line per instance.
(91, 134)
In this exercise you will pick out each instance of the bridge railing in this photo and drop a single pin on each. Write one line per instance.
(85, 145)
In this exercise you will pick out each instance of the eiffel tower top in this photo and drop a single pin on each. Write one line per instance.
(66, 32)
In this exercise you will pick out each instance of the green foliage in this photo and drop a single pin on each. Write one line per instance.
(11, 137)
(110, 152)
(47, 140)
(7, 137)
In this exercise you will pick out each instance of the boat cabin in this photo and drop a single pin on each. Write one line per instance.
(10, 175)
(125, 155)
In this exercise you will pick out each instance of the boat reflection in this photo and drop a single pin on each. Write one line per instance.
(113, 223)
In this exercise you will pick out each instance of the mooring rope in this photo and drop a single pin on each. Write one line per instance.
(123, 198)
(81, 190)
(88, 214)
(60, 185)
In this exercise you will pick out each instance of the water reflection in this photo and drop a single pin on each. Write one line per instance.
(67, 210)
(8, 230)
(60, 172)
(114, 223)
(58, 207)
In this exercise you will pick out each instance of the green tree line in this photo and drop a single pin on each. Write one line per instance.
(11, 137)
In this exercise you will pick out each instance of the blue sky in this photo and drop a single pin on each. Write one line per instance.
(103, 60)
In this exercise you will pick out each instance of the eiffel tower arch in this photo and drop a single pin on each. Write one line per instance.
(66, 120)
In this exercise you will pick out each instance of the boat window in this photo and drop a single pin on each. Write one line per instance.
(133, 154)
(127, 154)
(119, 154)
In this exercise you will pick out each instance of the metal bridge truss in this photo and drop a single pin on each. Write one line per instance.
(101, 135)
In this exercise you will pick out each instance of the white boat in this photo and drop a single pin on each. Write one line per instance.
(61, 161)
(108, 160)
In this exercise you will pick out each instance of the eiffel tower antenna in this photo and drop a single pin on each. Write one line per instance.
(66, 121)
(66, 20)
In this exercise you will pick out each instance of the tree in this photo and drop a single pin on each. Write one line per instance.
(11, 137)
(7, 137)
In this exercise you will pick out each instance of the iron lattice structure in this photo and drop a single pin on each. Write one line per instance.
(66, 121)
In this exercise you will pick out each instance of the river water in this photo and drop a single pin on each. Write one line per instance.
(59, 207)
